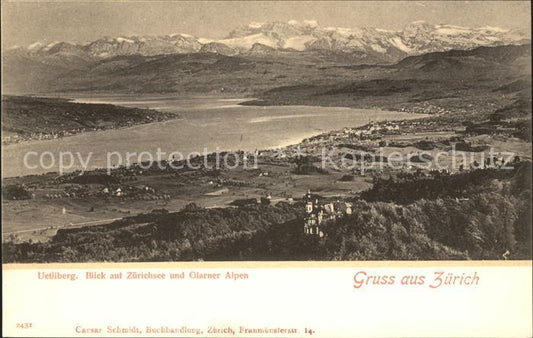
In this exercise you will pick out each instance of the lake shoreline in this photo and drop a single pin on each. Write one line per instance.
(24, 121)
(237, 128)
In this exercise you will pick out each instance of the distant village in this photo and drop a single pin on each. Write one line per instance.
(16, 137)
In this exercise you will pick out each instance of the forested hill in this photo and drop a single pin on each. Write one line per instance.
(493, 222)
(27, 117)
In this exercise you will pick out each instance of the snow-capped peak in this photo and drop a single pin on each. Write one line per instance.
(304, 23)
(415, 38)
(36, 45)
(122, 39)
(495, 29)
(50, 45)
(185, 35)
(255, 24)
(311, 23)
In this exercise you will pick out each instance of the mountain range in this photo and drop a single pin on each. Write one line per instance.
(251, 58)
(416, 38)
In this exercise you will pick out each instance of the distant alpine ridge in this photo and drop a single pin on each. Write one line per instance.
(294, 36)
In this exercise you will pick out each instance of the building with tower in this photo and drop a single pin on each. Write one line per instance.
(317, 213)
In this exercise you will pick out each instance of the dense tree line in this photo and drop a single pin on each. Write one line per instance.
(428, 222)
(484, 227)
(190, 234)
(408, 188)
(15, 192)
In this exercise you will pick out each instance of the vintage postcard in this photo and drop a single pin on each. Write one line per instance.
(266, 168)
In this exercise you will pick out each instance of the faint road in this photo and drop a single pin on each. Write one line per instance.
(97, 222)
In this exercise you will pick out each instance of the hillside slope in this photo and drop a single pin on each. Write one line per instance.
(477, 81)
(33, 117)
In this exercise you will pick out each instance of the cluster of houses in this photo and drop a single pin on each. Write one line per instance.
(40, 136)
(370, 131)
(52, 135)
(318, 213)
(423, 108)
(140, 193)
(125, 192)
(377, 127)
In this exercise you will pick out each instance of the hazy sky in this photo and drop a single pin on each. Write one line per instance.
(27, 22)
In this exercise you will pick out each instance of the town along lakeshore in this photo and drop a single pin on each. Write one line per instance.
(205, 123)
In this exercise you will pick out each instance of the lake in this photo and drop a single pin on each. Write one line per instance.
(205, 123)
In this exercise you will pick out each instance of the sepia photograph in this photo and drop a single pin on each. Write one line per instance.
(216, 131)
